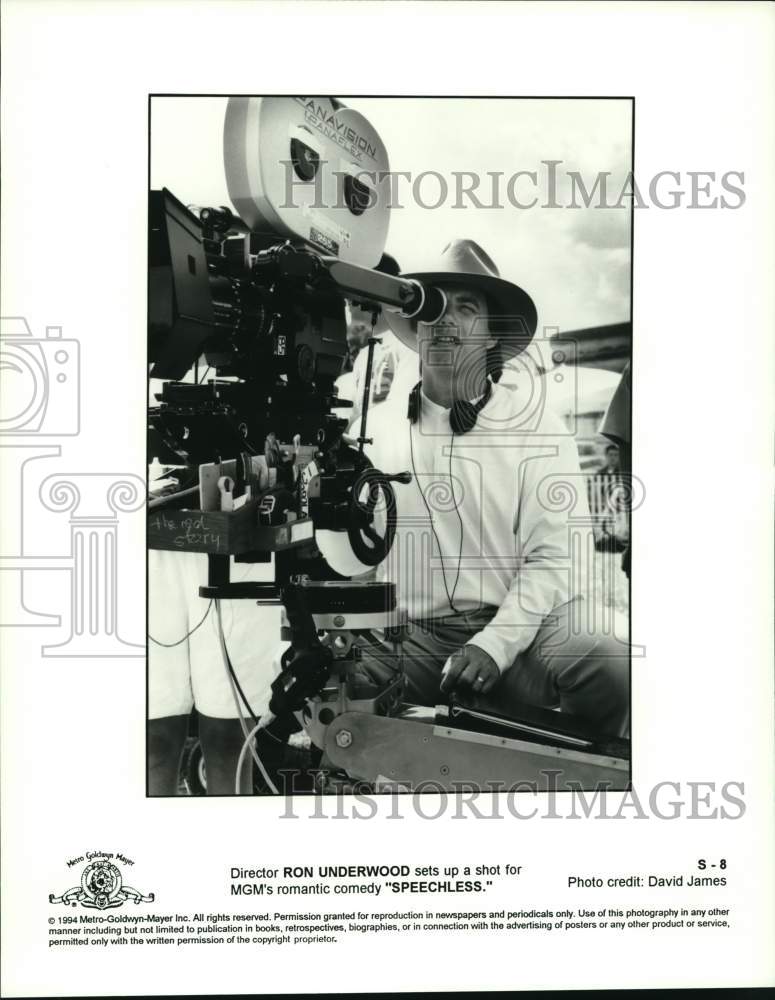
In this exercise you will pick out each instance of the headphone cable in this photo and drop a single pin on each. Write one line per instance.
(460, 519)
(450, 600)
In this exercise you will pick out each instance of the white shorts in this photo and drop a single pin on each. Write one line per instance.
(192, 673)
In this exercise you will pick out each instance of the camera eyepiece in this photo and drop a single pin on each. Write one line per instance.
(428, 305)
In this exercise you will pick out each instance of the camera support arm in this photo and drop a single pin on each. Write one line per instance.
(307, 663)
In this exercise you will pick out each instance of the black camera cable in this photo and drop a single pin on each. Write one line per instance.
(171, 645)
(450, 599)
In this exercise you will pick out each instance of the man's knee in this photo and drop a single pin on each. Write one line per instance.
(605, 672)
(591, 674)
(611, 658)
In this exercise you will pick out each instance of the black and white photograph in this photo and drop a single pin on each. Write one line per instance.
(386, 474)
(390, 445)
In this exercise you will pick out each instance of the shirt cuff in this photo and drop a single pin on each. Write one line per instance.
(493, 647)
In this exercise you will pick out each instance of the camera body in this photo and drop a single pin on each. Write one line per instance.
(254, 298)
(251, 307)
(250, 292)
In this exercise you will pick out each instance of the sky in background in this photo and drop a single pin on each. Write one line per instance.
(574, 262)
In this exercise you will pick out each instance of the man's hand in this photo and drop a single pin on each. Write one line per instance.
(470, 667)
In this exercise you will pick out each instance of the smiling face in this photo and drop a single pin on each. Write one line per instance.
(455, 348)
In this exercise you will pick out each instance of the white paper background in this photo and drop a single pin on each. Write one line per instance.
(74, 114)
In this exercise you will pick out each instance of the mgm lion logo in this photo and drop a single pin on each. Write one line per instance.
(101, 888)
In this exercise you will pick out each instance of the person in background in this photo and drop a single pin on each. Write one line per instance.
(611, 466)
(358, 333)
(392, 362)
(186, 669)
(605, 502)
(616, 427)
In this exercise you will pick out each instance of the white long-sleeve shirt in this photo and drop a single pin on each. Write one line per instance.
(521, 498)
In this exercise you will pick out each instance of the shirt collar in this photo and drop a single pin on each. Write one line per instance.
(431, 409)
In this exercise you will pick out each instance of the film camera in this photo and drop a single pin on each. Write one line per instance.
(258, 294)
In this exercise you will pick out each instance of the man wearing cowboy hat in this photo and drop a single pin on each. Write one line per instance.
(482, 556)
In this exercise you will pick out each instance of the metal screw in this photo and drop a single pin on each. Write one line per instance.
(339, 620)
(344, 738)
(444, 769)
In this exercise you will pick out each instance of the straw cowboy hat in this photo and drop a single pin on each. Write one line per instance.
(512, 314)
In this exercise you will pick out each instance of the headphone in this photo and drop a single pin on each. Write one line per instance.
(462, 419)
(462, 416)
